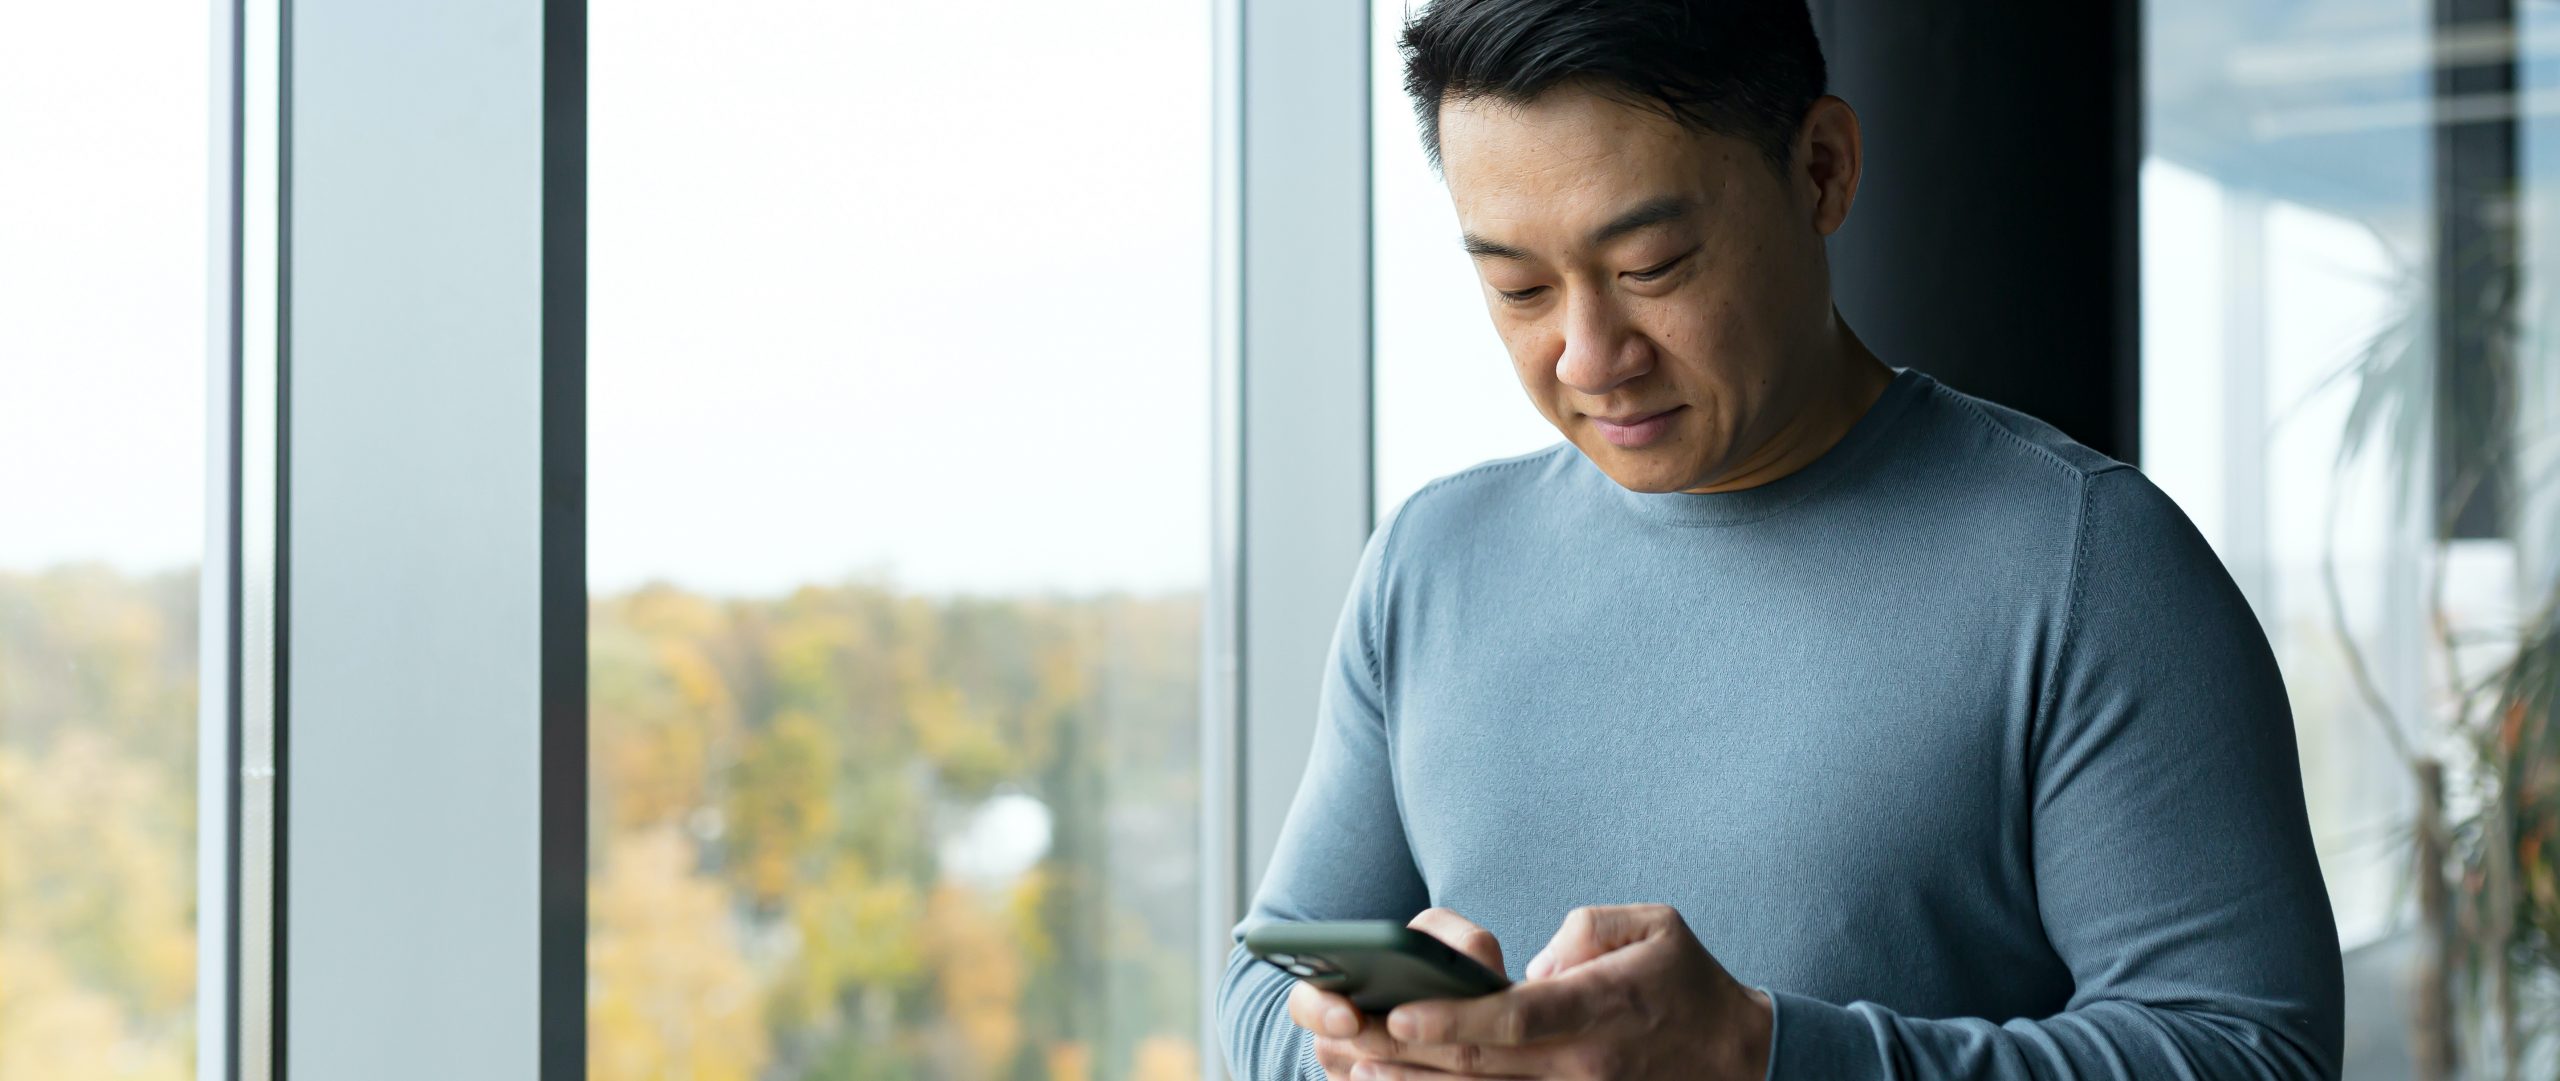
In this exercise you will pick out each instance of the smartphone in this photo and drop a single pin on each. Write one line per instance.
(1377, 964)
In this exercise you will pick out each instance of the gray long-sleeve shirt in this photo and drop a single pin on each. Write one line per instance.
(1959, 742)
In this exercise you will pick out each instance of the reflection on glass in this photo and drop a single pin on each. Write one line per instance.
(898, 528)
(103, 247)
(2348, 385)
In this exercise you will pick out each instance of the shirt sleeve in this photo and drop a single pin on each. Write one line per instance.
(1341, 854)
(2173, 860)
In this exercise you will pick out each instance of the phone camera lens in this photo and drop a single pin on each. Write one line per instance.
(1281, 959)
(1300, 969)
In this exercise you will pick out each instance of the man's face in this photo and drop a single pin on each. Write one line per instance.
(1661, 291)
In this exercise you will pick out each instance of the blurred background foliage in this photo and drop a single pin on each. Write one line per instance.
(847, 833)
(853, 833)
(97, 826)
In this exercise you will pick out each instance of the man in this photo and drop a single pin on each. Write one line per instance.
(1929, 743)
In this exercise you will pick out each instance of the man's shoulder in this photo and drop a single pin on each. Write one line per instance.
(1997, 469)
(2000, 436)
(2113, 518)
(1499, 489)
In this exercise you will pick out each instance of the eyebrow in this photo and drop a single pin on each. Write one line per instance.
(1665, 209)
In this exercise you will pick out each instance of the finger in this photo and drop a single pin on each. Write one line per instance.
(1374, 1070)
(1374, 1044)
(1323, 1012)
(1593, 930)
(1524, 1013)
(1461, 934)
(1336, 1057)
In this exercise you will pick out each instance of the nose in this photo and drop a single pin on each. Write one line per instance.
(1601, 352)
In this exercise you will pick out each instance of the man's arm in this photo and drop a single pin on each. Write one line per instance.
(2174, 865)
(1341, 853)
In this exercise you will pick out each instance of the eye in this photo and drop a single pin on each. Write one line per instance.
(1523, 296)
(1656, 271)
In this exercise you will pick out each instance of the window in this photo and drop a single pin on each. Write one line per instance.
(899, 463)
(1444, 394)
(2348, 385)
(104, 245)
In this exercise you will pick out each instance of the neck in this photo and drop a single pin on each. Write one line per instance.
(1850, 382)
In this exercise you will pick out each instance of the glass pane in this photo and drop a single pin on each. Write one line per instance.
(1442, 390)
(2348, 385)
(104, 215)
(899, 523)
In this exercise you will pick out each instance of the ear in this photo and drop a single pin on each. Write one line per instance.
(1829, 159)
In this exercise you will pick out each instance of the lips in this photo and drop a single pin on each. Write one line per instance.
(1635, 429)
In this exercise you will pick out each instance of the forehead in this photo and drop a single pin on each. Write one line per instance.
(1572, 157)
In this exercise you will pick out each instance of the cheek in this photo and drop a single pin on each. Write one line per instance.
(1723, 324)
(1534, 351)
(1697, 333)
(1690, 333)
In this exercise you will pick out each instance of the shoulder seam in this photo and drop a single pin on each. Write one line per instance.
(1369, 647)
(2076, 585)
(2037, 450)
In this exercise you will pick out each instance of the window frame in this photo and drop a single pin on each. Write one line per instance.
(1293, 430)
(423, 384)
(391, 433)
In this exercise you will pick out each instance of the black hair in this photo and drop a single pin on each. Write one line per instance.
(1745, 68)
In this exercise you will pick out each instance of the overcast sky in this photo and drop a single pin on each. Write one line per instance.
(104, 120)
(857, 306)
(914, 289)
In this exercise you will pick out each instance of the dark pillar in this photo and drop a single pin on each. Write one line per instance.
(1993, 244)
(2476, 266)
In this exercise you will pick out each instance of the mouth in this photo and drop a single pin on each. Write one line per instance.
(1635, 429)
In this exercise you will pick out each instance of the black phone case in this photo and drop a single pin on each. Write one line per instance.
(1377, 964)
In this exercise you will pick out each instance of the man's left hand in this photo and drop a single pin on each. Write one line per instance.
(1623, 992)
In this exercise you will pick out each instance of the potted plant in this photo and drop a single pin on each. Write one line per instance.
(2485, 766)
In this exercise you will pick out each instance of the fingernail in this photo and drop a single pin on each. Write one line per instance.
(1363, 1071)
(1339, 1022)
(1400, 1025)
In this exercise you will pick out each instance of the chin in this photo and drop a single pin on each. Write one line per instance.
(1649, 470)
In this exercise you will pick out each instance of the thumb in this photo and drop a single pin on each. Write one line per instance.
(1593, 930)
(1461, 934)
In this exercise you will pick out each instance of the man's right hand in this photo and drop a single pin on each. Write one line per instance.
(1343, 1036)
